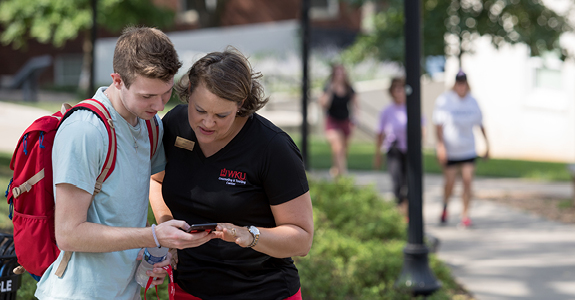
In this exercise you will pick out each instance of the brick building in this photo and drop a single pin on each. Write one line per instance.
(333, 23)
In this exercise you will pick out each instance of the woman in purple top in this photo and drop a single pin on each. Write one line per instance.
(392, 137)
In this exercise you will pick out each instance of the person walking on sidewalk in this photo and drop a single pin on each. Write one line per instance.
(456, 114)
(339, 101)
(392, 137)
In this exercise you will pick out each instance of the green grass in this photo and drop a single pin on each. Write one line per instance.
(565, 204)
(361, 158)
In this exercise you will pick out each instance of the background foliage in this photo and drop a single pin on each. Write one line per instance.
(56, 21)
(450, 26)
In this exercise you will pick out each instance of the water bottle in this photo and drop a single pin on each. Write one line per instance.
(151, 256)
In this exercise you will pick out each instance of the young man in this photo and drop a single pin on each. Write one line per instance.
(105, 234)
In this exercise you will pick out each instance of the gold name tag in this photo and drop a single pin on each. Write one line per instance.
(184, 144)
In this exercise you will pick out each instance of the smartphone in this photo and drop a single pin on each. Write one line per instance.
(202, 227)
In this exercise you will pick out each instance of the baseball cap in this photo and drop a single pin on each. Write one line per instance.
(461, 76)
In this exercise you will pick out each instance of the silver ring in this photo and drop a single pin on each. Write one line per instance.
(233, 231)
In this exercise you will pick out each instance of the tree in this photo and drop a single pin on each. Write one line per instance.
(209, 16)
(450, 27)
(57, 21)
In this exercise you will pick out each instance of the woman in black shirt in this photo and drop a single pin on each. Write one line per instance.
(228, 165)
(337, 99)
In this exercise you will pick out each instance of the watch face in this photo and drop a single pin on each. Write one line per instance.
(254, 230)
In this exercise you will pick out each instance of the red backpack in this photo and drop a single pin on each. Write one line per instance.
(30, 192)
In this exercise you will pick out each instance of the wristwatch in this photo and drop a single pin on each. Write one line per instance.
(255, 232)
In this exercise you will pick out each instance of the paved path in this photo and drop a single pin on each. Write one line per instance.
(508, 254)
(14, 119)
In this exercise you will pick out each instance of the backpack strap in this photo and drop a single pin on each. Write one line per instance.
(27, 185)
(63, 264)
(100, 110)
(153, 134)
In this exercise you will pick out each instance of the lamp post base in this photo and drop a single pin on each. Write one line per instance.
(416, 275)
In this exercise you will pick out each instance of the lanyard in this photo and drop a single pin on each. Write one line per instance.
(171, 285)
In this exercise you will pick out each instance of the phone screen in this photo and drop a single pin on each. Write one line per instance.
(202, 227)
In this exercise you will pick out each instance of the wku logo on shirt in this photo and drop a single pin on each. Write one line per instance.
(232, 177)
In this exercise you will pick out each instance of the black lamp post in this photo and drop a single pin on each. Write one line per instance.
(93, 36)
(305, 81)
(416, 274)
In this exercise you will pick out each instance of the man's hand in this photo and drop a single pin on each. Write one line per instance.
(171, 234)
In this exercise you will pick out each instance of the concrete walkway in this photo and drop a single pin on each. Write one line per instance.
(14, 119)
(507, 254)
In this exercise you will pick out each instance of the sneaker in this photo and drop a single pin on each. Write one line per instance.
(444, 217)
(466, 222)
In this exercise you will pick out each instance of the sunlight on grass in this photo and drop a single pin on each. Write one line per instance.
(361, 158)
(565, 204)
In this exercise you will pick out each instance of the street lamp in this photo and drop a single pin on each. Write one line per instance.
(416, 274)
(305, 80)
(93, 36)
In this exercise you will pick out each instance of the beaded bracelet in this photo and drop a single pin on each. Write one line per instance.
(155, 237)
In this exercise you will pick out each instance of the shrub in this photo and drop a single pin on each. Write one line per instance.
(357, 251)
(356, 212)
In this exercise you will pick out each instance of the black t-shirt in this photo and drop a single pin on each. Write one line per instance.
(339, 107)
(259, 167)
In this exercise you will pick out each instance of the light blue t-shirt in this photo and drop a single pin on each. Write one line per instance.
(78, 155)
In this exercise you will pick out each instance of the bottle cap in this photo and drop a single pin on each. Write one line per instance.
(155, 255)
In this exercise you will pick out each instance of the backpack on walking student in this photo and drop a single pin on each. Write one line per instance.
(30, 193)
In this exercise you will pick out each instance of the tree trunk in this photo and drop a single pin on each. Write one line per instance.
(84, 83)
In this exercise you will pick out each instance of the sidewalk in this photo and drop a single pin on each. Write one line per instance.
(507, 254)
(14, 119)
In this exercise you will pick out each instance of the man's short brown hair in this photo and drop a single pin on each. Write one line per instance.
(145, 51)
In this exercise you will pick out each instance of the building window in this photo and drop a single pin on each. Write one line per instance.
(546, 78)
(324, 9)
(67, 69)
(546, 89)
